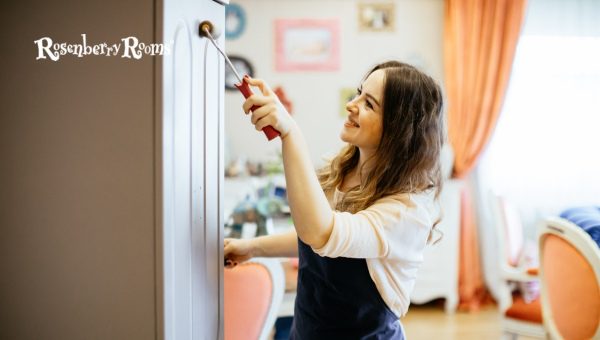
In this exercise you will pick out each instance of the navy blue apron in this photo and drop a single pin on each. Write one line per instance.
(337, 299)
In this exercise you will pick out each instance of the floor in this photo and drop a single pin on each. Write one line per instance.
(429, 322)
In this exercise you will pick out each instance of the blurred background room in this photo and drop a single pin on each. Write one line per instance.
(522, 85)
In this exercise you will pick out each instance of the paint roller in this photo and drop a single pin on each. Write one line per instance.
(208, 30)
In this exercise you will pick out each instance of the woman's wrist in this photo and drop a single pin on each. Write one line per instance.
(256, 249)
(292, 130)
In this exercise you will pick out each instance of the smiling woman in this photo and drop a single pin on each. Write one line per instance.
(364, 124)
(361, 224)
(388, 109)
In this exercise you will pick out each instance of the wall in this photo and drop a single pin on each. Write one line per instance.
(417, 39)
(77, 251)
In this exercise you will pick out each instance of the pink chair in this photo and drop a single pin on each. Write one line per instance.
(570, 273)
(252, 296)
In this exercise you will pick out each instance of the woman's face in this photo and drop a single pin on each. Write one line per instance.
(363, 127)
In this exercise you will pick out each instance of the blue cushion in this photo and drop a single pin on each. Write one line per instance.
(588, 218)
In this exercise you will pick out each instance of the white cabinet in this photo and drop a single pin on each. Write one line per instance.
(438, 275)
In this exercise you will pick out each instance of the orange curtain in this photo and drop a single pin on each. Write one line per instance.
(480, 38)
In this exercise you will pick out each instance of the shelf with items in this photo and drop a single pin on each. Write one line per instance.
(255, 206)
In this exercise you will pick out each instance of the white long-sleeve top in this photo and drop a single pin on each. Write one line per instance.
(391, 235)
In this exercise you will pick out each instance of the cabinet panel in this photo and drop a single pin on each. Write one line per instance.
(77, 251)
(192, 166)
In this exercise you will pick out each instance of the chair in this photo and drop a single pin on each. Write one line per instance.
(570, 273)
(518, 316)
(252, 296)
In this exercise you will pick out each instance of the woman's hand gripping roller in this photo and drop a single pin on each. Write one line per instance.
(206, 27)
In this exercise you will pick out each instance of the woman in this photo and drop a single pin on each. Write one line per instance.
(361, 224)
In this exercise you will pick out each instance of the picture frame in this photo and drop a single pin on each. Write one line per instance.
(307, 45)
(235, 21)
(376, 16)
(242, 65)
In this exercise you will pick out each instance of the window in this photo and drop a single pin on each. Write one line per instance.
(545, 152)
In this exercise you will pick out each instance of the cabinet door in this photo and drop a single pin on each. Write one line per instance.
(192, 134)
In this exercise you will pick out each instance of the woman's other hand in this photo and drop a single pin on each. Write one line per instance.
(237, 251)
(270, 110)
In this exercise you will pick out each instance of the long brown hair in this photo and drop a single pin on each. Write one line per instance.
(407, 159)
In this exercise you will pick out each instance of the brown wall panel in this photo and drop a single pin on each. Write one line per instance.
(77, 241)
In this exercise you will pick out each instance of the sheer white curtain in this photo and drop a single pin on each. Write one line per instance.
(545, 152)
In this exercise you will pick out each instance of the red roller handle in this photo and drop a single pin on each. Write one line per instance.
(244, 88)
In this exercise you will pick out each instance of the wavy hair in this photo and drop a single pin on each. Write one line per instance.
(407, 159)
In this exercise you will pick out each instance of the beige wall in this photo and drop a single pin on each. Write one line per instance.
(417, 39)
(77, 242)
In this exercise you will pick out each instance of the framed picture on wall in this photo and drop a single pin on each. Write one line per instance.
(307, 45)
(242, 65)
(235, 21)
(376, 16)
